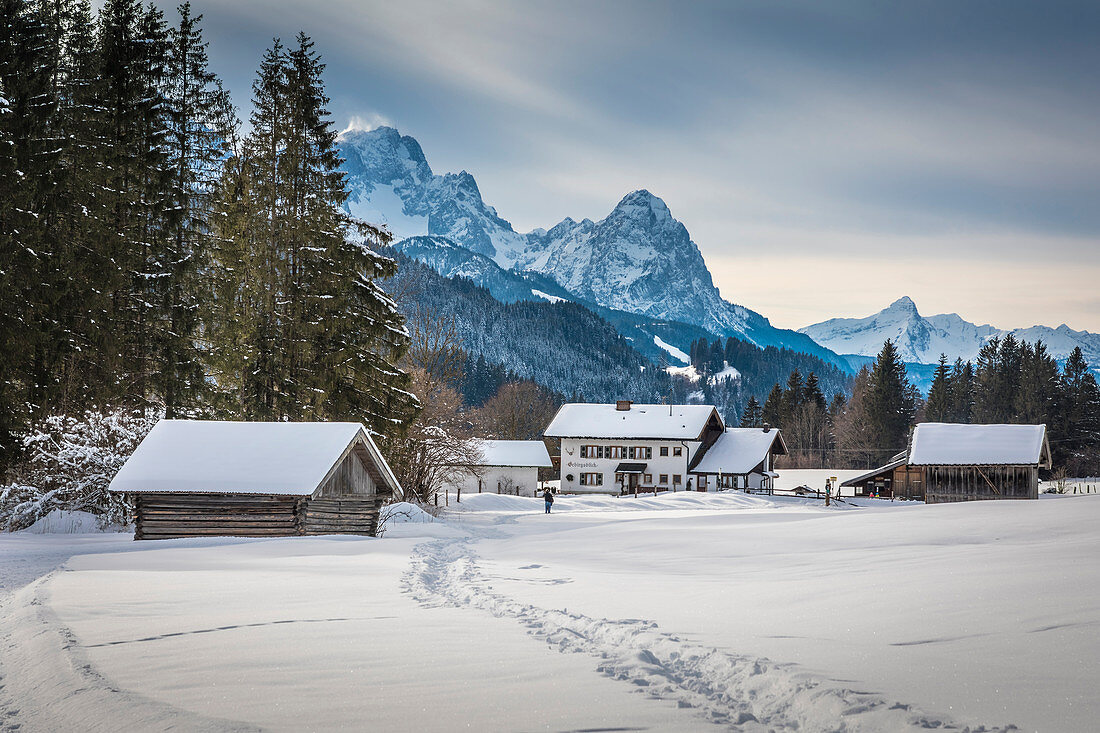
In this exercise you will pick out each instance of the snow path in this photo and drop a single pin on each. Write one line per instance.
(739, 692)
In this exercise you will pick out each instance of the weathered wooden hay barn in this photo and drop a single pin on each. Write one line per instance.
(969, 462)
(955, 462)
(202, 478)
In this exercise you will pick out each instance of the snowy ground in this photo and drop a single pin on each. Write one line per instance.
(678, 612)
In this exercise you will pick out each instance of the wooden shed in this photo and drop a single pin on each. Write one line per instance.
(202, 478)
(948, 462)
(968, 462)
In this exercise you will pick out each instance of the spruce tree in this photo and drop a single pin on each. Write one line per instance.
(772, 412)
(891, 402)
(312, 334)
(200, 121)
(939, 408)
(812, 394)
(1037, 398)
(961, 391)
(1078, 423)
(987, 382)
(753, 416)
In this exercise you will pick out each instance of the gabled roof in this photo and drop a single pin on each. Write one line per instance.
(739, 450)
(218, 456)
(946, 444)
(513, 453)
(659, 422)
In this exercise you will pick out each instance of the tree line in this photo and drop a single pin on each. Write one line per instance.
(1010, 381)
(153, 256)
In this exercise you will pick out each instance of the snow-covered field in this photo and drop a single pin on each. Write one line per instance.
(678, 612)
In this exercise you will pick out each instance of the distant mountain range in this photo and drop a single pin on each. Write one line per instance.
(639, 259)
(921, 339)
(637, 268)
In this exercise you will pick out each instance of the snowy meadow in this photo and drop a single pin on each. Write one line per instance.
(677, 612)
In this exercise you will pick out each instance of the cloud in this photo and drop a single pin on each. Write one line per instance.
(366, 122)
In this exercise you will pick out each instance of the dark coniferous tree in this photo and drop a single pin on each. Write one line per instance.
(961, 391)
(753, 416)
(200, 121)
(772, 412)
(938, 407)
(891, 402)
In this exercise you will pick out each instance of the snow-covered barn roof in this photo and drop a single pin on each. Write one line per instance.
(218, 456)
(515, 453)
(739, 450)
(942, 444)
(661, 422)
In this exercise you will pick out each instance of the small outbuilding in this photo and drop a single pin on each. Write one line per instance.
(504, 467)
(202, 478)
(741, 458)
(948, 462)
(967, 462)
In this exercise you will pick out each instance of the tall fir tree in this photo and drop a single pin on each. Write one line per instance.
(312, 335)
(753, 416)
(938, 407)
(891, 402)
(961, 391)
(200, 120)
(772, 412)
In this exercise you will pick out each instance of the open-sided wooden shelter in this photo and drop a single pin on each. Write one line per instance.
(201, 478)
(948, 462)
(967, 462)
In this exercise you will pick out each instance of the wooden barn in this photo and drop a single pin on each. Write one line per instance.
(202, 478)
(956, 462)
(968, 462)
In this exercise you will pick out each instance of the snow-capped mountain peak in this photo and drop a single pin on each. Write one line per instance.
(637, 259)
(921, 339)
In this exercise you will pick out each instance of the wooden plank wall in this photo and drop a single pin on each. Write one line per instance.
(172, 515)
(351, 478)
(971, 483)
(340, 516)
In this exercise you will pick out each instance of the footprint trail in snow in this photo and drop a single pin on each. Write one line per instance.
(737, 692)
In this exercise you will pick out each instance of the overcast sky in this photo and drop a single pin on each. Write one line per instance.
(827, 158)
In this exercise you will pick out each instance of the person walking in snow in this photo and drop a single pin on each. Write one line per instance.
(548, 497)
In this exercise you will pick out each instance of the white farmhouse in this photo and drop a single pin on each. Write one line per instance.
(741, 458)
(505, 467)
(615, 448)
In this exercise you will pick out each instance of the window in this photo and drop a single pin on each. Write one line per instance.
(677, 451)
(647, 479)
(588, 451)
(615, 451)
(703, 481)
(620, 478)
(664, 479)
(677, 478)
(591, 479)
(640, 452)
(664, 450)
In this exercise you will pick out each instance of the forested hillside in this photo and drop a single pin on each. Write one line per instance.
(562, 346)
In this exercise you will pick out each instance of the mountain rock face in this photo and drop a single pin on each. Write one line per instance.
(639, 259)
(922, 339)
(391, 183)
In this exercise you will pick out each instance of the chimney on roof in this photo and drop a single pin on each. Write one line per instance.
(767, 428)
(623, 405)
